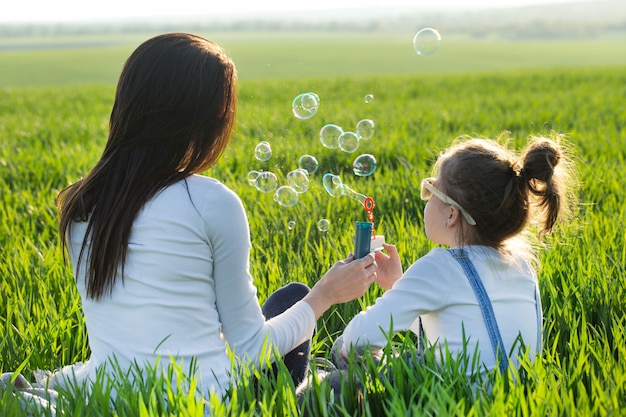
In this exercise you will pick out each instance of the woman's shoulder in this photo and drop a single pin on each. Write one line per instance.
(198, 193)
(207, 187)
(214, 198)
(202, 181)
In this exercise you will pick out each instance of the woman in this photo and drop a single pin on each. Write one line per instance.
(160, 253)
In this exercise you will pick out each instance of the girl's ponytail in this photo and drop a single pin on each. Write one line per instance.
(543, 172)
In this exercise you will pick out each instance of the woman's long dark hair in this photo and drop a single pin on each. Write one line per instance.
(173, 114)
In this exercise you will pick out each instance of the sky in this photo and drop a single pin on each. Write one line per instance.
(58, 11)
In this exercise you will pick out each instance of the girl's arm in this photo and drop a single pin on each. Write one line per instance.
(423, 288)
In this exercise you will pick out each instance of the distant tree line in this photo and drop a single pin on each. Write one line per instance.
(568, 20)
(523, 30)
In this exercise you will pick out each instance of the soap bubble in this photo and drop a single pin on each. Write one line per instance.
(291, 225)
(329, 136)
(308, 163)
(286, 196)
(266, 182)
(426, 41)
(364, 165)
(333, 184)
(323, 225)
(347, 191)
(369, 98)
(263, 151)
(305, 105)
(252, 177)
(349, 142)
(365, 129)
(336, 188)
(298, 180)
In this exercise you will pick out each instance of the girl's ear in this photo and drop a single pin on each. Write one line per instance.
(453, 216)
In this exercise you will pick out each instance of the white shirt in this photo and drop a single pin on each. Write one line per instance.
(436, 288)
(186, 290)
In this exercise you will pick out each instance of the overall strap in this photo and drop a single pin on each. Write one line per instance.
(539, 319)
(485, 306)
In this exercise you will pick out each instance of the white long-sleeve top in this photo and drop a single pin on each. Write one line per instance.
(186, 289)
(436, 288)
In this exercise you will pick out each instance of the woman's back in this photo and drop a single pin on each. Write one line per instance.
(177, 259)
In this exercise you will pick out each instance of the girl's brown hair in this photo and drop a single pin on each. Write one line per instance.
(173, 114)
(504, 191)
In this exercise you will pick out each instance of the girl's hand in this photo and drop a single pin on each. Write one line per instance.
(389, 267)
(345, 280)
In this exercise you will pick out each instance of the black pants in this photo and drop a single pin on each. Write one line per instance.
(297, 361)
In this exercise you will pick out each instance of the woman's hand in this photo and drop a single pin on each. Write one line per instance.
(389, 267)
(345, 280)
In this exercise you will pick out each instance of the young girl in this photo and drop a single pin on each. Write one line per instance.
(482, 293)
(160, 253)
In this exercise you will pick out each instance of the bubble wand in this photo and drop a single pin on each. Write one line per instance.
(365, 242)
(367, 202)
(366, 239)
(369, 205)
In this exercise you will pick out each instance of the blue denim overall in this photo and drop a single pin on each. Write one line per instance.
(487, 309)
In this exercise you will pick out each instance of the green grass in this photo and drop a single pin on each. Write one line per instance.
(50, 136)
(287, 55)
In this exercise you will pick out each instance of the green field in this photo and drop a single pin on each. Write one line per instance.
(51, 135)
(287, 55)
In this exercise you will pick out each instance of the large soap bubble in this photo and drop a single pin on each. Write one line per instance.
(365, 129)
(305, 105)
(252, 177)
(426, 41)
(364, 165)
(266, 181)
(298, 179)
(329, 136)
(336, 188)
(286, 196)
(309, 163)
(349, 142)
(263, 151)
(333, 184)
